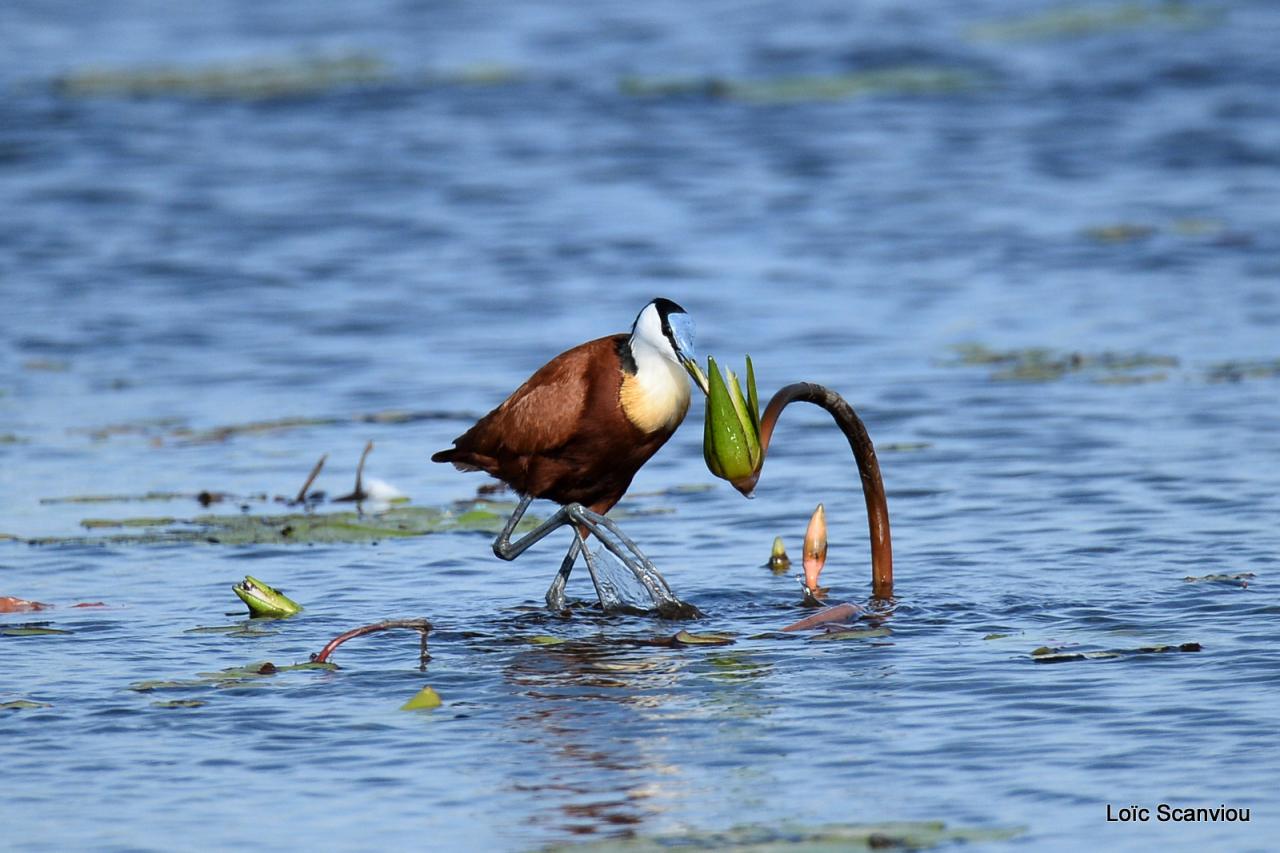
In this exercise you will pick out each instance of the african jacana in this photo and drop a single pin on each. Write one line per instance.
(578, 431)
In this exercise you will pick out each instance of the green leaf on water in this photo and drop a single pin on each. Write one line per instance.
(179, 703)
(29, 630)
(1044, 654)
(1081, 20)
(156, 521)
(545, 640)
(425, 699)
(1241, 579)
(251, 674)
(149, 686)
(794, 838)
(895, 81)
(300, 528)
(684, 638)
(854, 634)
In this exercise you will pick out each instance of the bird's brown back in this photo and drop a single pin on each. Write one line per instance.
(562, 435)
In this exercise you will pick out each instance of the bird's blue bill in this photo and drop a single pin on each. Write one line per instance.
(682, 329)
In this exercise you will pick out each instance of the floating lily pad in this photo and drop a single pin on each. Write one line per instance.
(248, 628)
(100, 499)
(896, 81)
(853, 633)
(1080, 21)
(268, 79)
(545, 640)
(1237, 371)
(23, 705)
(156, 521)
(1045, 654)
(236, 676)
(829, 838)
(1122, 232)
(904, 447)
(180, 703)
(685, 638)
(1040, 364)
(425, 699)
(244, 81)
(31, 629)
(1241, 579)
(303, 527)
(161, 429)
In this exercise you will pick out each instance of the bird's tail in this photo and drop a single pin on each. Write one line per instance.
(452, 455)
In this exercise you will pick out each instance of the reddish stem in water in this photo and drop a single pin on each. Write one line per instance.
(864, 453)
(422, 626)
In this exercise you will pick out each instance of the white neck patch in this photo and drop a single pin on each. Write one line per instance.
(648, 333)
(657, 396)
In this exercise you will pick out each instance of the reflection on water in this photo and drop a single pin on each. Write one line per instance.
(1037, 253)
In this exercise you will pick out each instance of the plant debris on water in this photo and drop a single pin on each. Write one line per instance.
(1040, 364)
(236, 676)
(1075, 21)
(177, 429)
(425, 699)
(23, 705)
(30, 629)
(1047, 654)
(1241, 579)
(891, 81)
(890, 835)
(299, 528)
(1043, 364)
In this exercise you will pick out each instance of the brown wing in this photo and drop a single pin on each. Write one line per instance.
(541, 415)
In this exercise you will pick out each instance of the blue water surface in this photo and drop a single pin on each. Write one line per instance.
(852, 193)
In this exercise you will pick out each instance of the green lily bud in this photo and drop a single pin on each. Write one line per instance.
(263, 600)
(731, 433)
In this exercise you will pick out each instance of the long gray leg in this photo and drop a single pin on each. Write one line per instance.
(508, 550)
(609, 534)
(555, 595)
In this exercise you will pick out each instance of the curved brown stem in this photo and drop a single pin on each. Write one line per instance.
(422, 626)
(864, 453)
